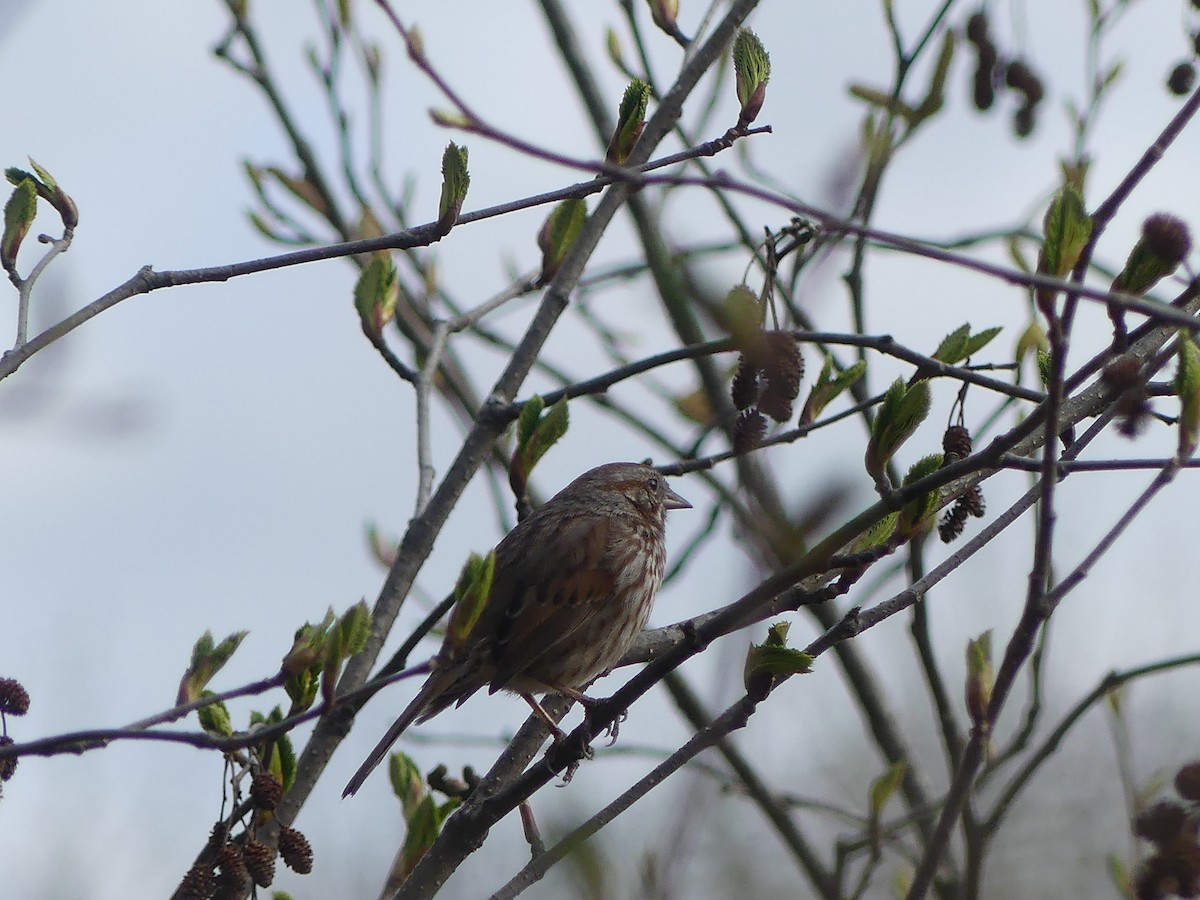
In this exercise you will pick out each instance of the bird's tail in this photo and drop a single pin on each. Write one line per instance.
(432, 687)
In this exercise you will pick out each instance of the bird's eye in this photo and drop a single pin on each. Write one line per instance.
(652, 482)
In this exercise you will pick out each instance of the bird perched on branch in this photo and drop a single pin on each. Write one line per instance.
(572, 587)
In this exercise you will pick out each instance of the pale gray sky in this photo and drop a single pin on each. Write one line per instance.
(206, 457)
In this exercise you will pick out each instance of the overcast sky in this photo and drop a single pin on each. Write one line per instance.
(207, 457)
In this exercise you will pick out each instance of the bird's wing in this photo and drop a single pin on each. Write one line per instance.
(552, 589)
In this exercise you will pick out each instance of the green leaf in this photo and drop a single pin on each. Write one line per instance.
(447, 119)
(960, 344)
(15, 176)
(752, 71)
(878, 534)
(1187, 386)
(1043, 364)
(935, 96)
(286, 756)
(407, 783)
(917, 514)
(306, 660)
(214, 718)
(550, 429)
(300, 188)
(471, 596)
(559, 233)
(1067, 228)
(828, 386)
(536, 434)
(19, 213)
(950, 350)
(355, 628)
(423, 829)
(980, 677)
(527, 420)
(631, 118)
(1032, 339)
(885, 786)
(455, 181)
(773, 658)
(903, 409)
(278, 756)
(45, 177)
(207, 660)
(978, 341)
(376, 293)
(612, 44)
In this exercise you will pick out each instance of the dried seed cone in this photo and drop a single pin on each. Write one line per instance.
(265, 791)
(14, 699)
(574, 583)
(1187, 782)
(744, 389)
(956, 443)
(783, 367)
(260, 862)
(1161, 822)
(198, 883)
(748, 431)
(234, 880)
(8, 766)
(295, 851)
(972, 501)
(953, 523)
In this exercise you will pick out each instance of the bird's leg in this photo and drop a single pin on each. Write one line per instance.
(593, 708)
(555, 732)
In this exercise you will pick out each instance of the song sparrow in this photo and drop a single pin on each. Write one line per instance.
(573, 586)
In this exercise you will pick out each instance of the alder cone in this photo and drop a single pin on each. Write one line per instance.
(573, 585)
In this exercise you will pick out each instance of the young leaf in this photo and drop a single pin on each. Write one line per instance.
(1187, 386)
(1067, 228)
(423, 829)
(885, 786)
(878, 534)
(904, 408)
(471, 596)
(214, 718)
(950, 350)
(355, 627)
(828, 387)
(935, 96)
(207, 660)
(528, 418)
(631, 118)
(455, 181)
(752, 71)
(559, 233)
(536, 434)
(977, 342)
(980, 677)
(407, 783)
(917, 514)
(19, 213)
(376, 294)
(773, 657)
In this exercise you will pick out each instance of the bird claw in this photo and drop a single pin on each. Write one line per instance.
(614, 727)
(598, 709)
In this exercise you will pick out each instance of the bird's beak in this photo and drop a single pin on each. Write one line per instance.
(674, 501)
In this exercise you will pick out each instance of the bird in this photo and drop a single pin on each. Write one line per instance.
(573, 585)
